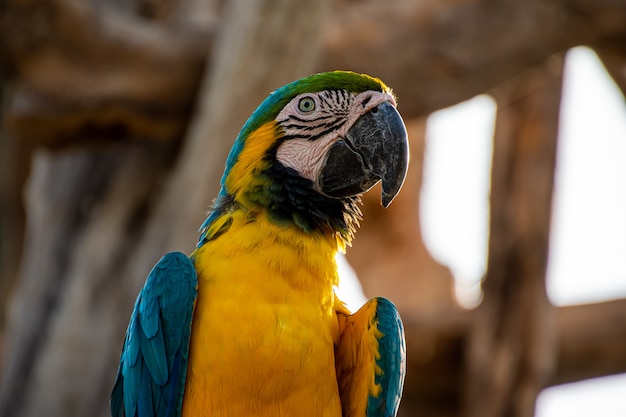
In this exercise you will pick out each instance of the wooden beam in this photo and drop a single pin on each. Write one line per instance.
(589, 342)
(81, 73)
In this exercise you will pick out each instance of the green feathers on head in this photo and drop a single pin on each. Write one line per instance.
(274, 103)
(336, 80)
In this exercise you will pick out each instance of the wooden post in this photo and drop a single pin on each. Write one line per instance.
(511, 349)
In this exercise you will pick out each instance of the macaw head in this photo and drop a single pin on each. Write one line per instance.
(311, 149)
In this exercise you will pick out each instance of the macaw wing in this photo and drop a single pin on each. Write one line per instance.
(370, 360)
(153, 365)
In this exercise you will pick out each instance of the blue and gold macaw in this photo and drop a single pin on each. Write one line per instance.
(249, 324)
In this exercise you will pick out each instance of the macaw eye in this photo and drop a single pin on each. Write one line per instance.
(306, 105)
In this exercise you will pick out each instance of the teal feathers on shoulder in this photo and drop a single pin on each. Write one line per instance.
(153, 365)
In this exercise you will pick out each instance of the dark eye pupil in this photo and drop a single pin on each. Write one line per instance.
(307, 105)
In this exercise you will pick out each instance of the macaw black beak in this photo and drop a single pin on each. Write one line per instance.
(376, 148)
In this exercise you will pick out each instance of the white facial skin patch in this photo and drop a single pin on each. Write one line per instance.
(309, 134)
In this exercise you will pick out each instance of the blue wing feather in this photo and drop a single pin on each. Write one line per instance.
(153, 365)
(391, 360)
(370, 360)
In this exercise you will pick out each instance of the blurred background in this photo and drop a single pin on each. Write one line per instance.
(505, 250)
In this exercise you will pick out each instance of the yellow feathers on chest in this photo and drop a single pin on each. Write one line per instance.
(264, 324)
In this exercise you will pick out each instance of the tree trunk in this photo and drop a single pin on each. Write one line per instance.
(86, 211)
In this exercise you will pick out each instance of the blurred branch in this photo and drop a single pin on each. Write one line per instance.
(82, 72)
(438, 53)
(590, 341)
